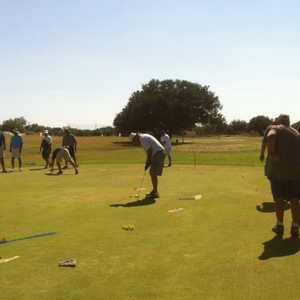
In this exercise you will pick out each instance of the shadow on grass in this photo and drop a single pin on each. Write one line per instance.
(7, 172)
(36, 236)
(269, 207)
(55, 174)
(279, 247)
(37, 169)
(145, 201)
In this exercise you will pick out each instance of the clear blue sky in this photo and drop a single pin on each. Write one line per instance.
(77, 62)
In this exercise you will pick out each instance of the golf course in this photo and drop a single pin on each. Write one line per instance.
(218, 245)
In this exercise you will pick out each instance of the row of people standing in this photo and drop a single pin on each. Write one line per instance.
(69, 144)
(16, 147)
(69, 141)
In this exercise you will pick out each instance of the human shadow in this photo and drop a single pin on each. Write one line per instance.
(37, 169)
(145, 201)
(279, 247)
(28, 237)
(56, 174)
(269, 207)
(7, 172)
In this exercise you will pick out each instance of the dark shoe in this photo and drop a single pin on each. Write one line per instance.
(59, 173)
(65, 167)
(278, 229)
(76, 172)
(153, 195)
(295, 231)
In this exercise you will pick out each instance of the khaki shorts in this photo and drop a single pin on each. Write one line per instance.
(1, 152)
(64, 154)
(157, 163)
(15, 153)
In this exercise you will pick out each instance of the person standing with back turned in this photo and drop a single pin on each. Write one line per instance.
(282, 168)
(70, 142)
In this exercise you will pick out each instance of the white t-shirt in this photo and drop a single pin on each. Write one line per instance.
(166, 141)
(150, 142)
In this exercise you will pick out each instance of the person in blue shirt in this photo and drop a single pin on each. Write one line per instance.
(16, 146)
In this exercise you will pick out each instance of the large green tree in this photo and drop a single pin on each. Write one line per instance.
(175, 105)
(11, 124)
(259, 124)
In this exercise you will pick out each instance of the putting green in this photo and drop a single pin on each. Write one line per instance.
(213, 249)
(218, 247)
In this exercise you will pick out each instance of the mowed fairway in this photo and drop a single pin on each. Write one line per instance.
(213, 249)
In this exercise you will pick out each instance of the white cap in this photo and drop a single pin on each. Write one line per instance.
(132, 135)
(46, 131)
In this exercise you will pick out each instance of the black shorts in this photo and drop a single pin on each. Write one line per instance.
(46, 153)
(285, 189)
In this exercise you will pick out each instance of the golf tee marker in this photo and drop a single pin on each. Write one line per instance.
(196, 197)
(6, 260)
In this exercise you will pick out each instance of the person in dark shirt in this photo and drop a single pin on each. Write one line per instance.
(70, 141)
(282, 168)
(2, 149)
(46, 147)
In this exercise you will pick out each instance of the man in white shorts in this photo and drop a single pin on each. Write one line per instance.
(2, 149)
(16, 147)
(166, 142)
(60, 154)
(155, 158)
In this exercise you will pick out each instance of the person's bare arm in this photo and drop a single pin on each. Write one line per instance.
(271, 141)
(4, 143)
(148, 161)
(263, 150)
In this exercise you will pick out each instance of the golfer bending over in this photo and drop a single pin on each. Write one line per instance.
(155, 158)
(60, 154)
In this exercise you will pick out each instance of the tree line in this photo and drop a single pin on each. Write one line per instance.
(30, 128)
(176, 106)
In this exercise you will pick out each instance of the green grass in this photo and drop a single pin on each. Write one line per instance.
(211, 250)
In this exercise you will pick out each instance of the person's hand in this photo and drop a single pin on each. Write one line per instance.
(147, 165)
(262, 157)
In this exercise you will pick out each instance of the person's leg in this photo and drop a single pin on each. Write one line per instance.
(72, 153)
(154, 181)
(74, 166)
(170, 160)
(295, 211)
(20, 163)
(3, 165)
(279, 203)
(156, 169)
(59, 168)
(279, 210)
(13, 163)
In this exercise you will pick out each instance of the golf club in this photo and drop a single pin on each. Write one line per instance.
(137, 195)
